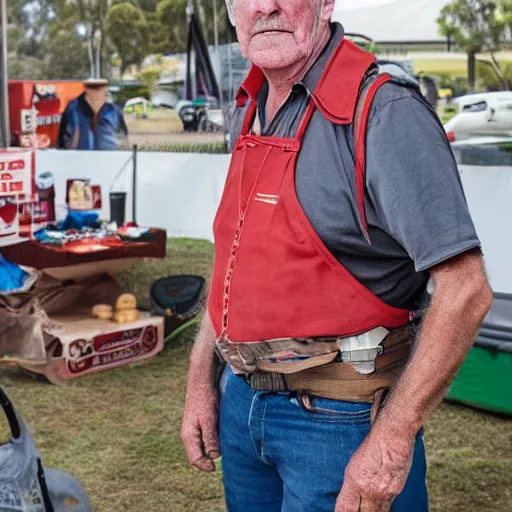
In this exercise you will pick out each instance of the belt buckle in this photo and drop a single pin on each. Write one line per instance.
(362, 360)
(263, 381)
(358, 355)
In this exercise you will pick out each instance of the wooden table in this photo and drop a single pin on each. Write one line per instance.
(64, 265)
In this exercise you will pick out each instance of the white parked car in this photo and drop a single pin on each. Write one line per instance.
(132, 106)
(483, 114)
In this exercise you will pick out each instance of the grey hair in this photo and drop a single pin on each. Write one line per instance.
(231, 12)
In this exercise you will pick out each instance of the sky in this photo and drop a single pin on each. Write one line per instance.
(349, 5)
(391, 20)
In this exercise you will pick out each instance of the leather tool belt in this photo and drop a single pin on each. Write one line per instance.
(323, 375)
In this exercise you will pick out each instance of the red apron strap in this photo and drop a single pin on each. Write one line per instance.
(249, 116)
(306, 118)
(360, 126)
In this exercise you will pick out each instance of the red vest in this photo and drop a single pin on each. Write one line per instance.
(273, 277)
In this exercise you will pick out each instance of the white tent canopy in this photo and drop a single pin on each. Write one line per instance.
(391, 20)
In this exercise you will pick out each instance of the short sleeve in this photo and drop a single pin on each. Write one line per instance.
(413, 182)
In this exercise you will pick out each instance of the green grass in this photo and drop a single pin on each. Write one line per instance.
(162, 130)
(446, 113)
(158, 120)
(454, 67)
(118, 431)
(211, 147)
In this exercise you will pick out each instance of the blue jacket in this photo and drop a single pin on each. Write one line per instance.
(79, 115)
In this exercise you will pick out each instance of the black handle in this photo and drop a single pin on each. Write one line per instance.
(10, 415)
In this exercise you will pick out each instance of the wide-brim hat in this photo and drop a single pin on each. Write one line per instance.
(96, 82)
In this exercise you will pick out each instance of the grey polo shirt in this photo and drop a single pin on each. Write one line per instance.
(416, 209)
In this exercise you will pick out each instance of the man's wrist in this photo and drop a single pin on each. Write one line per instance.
(398, 422)
(203, 371)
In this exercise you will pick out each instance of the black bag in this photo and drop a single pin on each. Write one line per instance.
(179, 299)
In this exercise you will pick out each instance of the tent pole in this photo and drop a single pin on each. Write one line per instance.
(217, 54)
(134, 186)
(4, 93)
(215, 27)
(190, 78)
(231, 95)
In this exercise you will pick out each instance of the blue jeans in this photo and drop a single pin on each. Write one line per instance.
(279, 457)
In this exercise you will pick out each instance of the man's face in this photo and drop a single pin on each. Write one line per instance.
(276, 34)
(97, 95)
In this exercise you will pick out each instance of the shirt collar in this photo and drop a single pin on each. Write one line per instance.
(324, 87)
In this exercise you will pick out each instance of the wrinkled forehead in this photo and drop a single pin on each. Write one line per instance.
(231, 3)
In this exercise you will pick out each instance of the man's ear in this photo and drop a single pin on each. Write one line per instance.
(327, 9)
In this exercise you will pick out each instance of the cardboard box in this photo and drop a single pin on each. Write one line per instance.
(83, 345)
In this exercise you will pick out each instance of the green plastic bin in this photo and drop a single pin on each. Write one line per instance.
(485, 379)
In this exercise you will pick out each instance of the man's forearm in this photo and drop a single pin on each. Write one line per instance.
(203, 362)
(199, 429)
(447, 334)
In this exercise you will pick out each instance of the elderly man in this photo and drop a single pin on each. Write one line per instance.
(342, 203)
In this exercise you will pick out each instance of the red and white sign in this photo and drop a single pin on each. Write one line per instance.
(16, 172)
(111, 349)
(8, 217)
(90, 345)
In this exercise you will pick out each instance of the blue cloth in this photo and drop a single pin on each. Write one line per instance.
(12, 277)
(79, 220)
(278, 457)
(75, 220)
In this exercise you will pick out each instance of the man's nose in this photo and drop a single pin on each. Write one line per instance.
(266, 7)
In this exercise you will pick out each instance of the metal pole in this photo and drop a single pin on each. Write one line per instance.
(134, 186)
(193, 58)
(6, 129)
(215, 27)
(190, 77)
(98, 59)
(230, 68)
(216, 44)
(90, 51)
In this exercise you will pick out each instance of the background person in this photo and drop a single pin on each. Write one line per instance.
(91, 121)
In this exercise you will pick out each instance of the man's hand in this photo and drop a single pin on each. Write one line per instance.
(376, 474)
(199, 430)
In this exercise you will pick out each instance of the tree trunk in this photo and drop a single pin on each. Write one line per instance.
(499, 72)
(98, 57)
(90, 50)
(102, 70)
(471, 70)
(101, 46)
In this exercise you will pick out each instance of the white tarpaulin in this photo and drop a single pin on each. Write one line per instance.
(180, 192)
(391, 20)
(488, 192)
